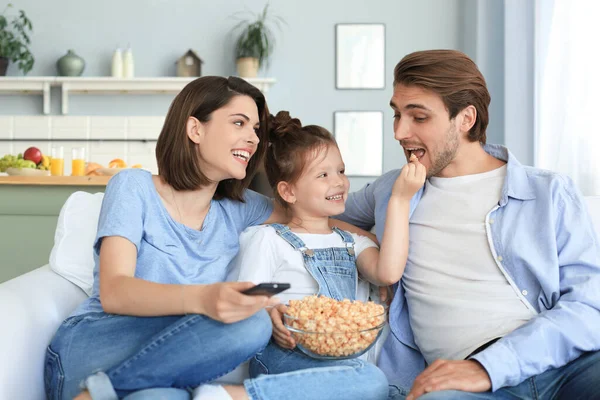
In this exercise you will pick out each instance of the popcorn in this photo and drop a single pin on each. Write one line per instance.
(334, 328)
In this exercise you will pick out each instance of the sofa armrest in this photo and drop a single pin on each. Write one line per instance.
(32, 306)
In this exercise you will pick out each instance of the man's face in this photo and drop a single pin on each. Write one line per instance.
(423, 127)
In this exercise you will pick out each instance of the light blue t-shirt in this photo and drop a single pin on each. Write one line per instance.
(168, 251)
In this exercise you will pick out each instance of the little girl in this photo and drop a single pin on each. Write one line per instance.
(306, 172)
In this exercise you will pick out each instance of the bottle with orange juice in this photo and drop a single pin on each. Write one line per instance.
(78, 161)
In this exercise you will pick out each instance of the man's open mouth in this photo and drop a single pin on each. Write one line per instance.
(417, 151)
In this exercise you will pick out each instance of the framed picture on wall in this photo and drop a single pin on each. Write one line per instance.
(360, 56)
(359, 135)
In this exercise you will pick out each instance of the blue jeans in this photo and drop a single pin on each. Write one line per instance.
(298, 377)
(289, 374)
(135, 353)
(578, 380)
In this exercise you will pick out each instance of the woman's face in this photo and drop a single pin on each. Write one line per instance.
(228, 140)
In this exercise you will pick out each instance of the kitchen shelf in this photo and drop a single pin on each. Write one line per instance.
(37, 85)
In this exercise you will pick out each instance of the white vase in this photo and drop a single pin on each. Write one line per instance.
(247, 67)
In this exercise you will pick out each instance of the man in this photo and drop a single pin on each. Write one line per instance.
(501, 292)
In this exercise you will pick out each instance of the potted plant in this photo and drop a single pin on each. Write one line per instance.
(255, 43)
(14, 40)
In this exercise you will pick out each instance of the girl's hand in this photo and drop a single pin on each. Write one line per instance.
(224, 301)
(411, 179)
(281, 334)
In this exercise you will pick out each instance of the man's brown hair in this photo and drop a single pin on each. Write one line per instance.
(177, 155)
(454, 77)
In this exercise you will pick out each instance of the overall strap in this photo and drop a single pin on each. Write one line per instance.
(293, 240)
(347, 238)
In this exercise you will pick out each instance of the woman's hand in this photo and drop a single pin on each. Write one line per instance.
(281, 334)
(411, 179)
(224, 301)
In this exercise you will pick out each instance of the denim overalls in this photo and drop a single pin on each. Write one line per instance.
(335, 271)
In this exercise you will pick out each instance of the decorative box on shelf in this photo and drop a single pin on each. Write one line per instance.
(102, 85)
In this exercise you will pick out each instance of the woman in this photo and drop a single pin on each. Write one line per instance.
(161, 252)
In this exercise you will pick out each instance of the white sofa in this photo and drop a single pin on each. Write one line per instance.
(33, 305)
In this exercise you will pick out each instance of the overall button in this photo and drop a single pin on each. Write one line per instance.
(491, 221)
(524, 292)
(500, 258)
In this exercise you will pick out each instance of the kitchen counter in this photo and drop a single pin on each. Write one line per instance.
(29, 209)
(55, 180)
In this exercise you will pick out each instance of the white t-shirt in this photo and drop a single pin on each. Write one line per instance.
(458, 298)
(266, 257)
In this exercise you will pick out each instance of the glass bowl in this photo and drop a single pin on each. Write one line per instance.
(338, 337)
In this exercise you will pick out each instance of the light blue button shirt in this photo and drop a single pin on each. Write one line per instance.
(543, 241)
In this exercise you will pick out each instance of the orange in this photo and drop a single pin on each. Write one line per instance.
(136, 166)
(117, 163)
(91, 167)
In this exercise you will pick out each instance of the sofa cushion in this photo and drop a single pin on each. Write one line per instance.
(72, 256)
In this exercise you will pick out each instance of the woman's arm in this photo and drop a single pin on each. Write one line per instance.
(122, 293)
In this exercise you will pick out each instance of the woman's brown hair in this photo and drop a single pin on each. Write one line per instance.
(291, 146)
(453, 76)
(177, 155)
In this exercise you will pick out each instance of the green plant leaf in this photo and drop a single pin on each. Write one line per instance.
(14, 38)
(256, 39)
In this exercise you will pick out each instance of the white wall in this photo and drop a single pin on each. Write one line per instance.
(159, 31)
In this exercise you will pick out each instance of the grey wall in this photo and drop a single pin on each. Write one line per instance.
(159, 31)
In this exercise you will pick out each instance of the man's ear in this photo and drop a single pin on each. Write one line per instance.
(286, 191)
(194, 130)
(468, 118)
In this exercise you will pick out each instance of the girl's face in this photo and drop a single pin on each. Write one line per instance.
(322, 189)
(228, 140)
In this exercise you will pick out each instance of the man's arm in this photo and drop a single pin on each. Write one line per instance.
(559, 335)
(360, 208)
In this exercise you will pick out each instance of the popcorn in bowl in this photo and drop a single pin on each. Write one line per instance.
(325, 328)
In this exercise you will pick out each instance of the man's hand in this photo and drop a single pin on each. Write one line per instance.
(465, 375)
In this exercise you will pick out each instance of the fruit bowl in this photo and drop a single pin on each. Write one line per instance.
(334, 330)
(27, 172)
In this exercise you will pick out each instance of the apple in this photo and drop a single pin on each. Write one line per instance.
(33, 154)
